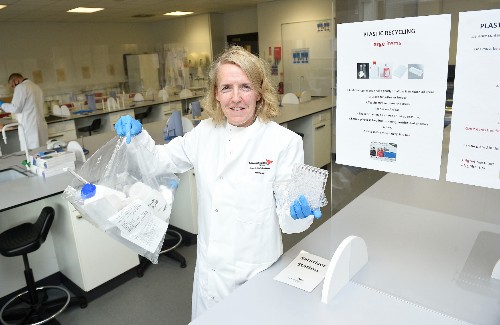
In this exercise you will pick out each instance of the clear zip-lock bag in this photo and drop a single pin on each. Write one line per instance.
(306, 180)
(123, 192)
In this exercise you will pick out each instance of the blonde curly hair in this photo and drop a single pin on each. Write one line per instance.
(259, 73)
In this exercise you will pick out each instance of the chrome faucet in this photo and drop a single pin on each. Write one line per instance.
(21, 128)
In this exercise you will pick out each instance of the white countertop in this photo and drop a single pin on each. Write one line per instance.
(432, 246)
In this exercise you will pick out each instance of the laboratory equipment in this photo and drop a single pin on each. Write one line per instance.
(195, 109)
(174, 127)
(21, 129)
(91, 104)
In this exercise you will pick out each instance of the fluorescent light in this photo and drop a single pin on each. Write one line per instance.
(178, 13)
(2, 6)
(84, 10)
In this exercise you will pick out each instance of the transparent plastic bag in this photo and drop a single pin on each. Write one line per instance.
(127, 194)
(306, 180)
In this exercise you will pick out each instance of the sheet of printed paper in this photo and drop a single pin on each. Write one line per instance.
(391, 94)
(140, 226)
(305, 272)
(474, 156)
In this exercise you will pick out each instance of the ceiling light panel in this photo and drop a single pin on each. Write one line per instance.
(85, 10)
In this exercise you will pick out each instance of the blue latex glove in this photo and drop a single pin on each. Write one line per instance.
(127, 126)
(1, 103)
(300, 209)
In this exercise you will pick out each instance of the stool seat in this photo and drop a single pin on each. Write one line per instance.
(27, 237)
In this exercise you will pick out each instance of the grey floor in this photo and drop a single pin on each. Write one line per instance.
(163, 294)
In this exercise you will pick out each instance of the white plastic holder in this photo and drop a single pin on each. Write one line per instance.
(185, 93)
(496, 271)
(349, 258)
(290, 98)
(305, 96)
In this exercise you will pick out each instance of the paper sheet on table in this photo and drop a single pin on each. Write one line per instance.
(305, 272)
(138, 225)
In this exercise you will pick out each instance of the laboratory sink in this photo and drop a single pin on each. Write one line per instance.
(10, 174)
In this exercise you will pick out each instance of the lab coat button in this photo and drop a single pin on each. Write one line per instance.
(216, 210)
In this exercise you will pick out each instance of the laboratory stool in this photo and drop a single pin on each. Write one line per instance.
(35, 305)
(96, 124)
(143, 115)
(172, 240)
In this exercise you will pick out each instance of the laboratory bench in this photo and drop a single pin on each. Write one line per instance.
(432, 246)
(84, 255)
(65, 128)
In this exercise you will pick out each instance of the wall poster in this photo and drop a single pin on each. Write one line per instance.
(474, 156)
(391, 93)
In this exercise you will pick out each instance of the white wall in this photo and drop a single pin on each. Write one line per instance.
(73, 48)
(241, 22)
(271, 15)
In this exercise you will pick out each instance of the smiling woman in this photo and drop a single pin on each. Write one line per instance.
(240, 88)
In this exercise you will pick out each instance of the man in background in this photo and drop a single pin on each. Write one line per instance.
(27, 103)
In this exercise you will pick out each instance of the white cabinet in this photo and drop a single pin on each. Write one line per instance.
(64, 130)
(317, 131)
(86, 255)
(184, 213)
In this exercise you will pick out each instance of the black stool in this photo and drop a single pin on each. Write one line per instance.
(33, 306)
(143, 115)
(172, 240)
(96, 124)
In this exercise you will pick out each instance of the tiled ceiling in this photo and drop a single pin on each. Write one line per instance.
(115, 10)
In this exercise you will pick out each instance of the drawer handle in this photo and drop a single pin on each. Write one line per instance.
(55, 136)
(320, 127)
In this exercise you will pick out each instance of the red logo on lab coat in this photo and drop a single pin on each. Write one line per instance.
(269, 162)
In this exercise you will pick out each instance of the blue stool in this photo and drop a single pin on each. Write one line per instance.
(35, 305)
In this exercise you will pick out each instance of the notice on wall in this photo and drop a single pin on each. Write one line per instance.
(474, 156)
(391, 94)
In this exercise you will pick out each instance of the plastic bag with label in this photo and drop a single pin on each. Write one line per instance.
(123, 190)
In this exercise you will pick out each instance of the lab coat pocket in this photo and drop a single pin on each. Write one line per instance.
(256, 206)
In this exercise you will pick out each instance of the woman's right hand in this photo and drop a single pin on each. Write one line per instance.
(127, 126)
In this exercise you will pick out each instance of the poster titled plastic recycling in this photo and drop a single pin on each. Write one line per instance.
(474, 156)
(391, 93)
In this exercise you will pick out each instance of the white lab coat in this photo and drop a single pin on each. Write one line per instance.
(238, 221)
(27, 103)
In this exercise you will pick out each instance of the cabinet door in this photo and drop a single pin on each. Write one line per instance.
(185, 207)
(322, 143)
(64, 130)
(101, 257)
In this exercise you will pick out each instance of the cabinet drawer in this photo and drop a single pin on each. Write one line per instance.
(321, 117)
(61, 127)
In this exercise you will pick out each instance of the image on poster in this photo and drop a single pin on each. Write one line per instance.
(474, 155)
(391, 92)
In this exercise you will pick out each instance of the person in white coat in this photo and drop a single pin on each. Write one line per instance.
(237, 155)
(27, 103)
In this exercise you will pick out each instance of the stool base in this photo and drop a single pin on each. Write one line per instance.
(20, 309)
